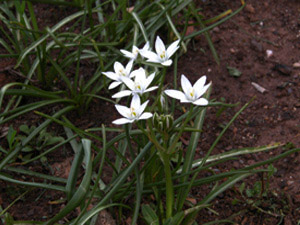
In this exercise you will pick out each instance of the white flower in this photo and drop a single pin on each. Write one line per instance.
(135, 112)
(135, 51)
(138, 86)
(190, 93)
(162, 54)
(119, 74)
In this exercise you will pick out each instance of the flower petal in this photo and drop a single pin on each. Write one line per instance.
(122, 121)
(118, 66)
(123, 110)
(176, 94)
(129, 67)
(127, 54)
(167, 63)
(148, 80)
(172, 48)
(159, 46)
(135, 102)
(157, 60)
(146, 46)
(138, 72)
(111, 75)
(151, 89)
(200, 92)
(145, 116)
(142, 107)
(201, 101)
(114, 84)
(135, 51)
(122, 94)
(200, 83)
(186, 100)
(185, 84)
(151, 56)
(128, 82)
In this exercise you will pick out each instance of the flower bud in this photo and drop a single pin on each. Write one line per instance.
(168, 122)
(155, 119)
(160, 126)
(163, 123)
(163, 103)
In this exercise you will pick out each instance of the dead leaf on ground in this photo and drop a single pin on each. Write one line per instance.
(62, 169)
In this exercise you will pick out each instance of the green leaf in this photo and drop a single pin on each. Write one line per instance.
(149, 215)
(27, 149)
(11, 136)
(272, 170)
(255, 191)
(54, 140)
(83, 188)
(72, 179)
(242, 188)
(24, 128)
(175, 220)
(27, 157)
(234, 72)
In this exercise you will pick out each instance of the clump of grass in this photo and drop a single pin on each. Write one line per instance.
(157, 163)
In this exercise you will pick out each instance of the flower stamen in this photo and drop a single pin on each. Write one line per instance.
(163, 55)
(133, 113)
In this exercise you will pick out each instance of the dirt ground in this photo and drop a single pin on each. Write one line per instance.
(263, 43)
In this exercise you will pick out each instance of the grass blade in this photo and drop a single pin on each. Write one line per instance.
(83, 188)
(188, 161)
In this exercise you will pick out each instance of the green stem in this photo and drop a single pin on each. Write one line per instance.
(161, 83)
(151, 137)
(137, 174)
(188, 117)
(169, 185)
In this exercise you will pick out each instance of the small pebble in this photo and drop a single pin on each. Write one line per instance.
(258, 87)
(249, 8)
(256, 45)
(269, 53)
(297, 198)
(283, 69)
(216, 29)
(296, 65)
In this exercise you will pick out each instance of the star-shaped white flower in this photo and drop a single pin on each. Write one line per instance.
(138, 86)
(119, 74)
(162, 54)
(134, 113)
(191, 94)
(135, 51)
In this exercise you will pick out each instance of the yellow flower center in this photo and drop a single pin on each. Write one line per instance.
(122, 72)
(138, 86)
(163, 54)
(133, 113)
(192, 93)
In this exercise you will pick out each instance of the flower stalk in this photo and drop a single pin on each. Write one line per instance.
(169, 185)
(187, 119)
(137, 174)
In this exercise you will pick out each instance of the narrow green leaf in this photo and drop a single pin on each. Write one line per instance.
(32, 184)
(234, 72)
(72, 178)
(83, 188)
(94, 211)
(149, 215)
(188, 161)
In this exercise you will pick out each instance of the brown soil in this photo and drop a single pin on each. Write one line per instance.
(273, 116)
